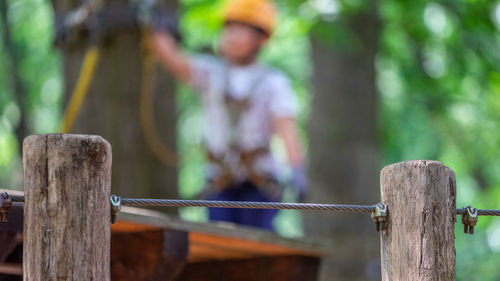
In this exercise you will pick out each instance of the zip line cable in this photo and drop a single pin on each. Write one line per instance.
(140, 202)
(133, 202)
(480, 212)
(379, 211)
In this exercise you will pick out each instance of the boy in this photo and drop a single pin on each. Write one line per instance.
(244, 104)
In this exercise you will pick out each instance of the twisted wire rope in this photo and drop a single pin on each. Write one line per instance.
(138, 202)
(480, 212)
(247, 205)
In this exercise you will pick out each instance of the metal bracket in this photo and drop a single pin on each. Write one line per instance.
(5, 206)
(469, 220)
(379, 216)
(116, 206)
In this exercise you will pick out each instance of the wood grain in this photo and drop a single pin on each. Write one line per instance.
(67, 184)
(419, 244)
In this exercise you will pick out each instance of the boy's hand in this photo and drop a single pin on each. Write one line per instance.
(166, 50)
(166, 22)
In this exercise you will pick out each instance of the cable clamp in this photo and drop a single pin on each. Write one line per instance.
(116, 206)
(5, 206)
(379, 216)
(469, 219)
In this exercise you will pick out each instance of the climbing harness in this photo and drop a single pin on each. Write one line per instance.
(234, 161)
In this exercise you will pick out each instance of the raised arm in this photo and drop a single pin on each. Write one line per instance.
(166, 49)
(286, 129)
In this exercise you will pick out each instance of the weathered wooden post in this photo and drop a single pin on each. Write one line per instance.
(67, 184)
(419, 243)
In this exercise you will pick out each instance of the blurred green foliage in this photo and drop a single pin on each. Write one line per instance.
(438, 78)
(438, 75)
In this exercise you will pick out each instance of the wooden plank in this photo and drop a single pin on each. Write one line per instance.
(307, 247)
(240, 247)
(287, 268)
(122, 226)
(149, 255)
(11, 268)
(202, 252)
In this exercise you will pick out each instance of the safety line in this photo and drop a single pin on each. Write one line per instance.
(247, 205)
(484, 212)
(138, 202)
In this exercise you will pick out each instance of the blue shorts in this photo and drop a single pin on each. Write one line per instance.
(245, 191)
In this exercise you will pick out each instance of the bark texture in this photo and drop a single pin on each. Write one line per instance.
(67, 182)
(111, 108)
(419, 244)
(343, 146)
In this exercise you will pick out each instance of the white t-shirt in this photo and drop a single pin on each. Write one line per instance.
(268, 91)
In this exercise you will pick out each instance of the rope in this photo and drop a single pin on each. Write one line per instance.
(82, 85)
(153, 140)
(135, 202)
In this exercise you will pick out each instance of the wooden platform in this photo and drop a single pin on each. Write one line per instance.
(149, 245)
(209, 241)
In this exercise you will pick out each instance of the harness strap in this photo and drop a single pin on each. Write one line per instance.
(244, 159)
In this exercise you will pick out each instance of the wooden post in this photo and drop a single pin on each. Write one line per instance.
(419, 244)
(67, 183)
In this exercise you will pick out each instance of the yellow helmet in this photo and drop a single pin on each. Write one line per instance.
(258, 13)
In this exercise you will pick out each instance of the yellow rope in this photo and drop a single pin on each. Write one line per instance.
(82, 85)
(161, 151)
(153, 140)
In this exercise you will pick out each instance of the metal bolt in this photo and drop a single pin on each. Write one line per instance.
(469, 220)
(116, 206)
(379, 217)
(5, 206)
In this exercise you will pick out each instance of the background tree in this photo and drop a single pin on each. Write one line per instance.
(111, 108)
(343, 138)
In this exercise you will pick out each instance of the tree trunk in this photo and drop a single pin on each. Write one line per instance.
(343, 147)
(111, 108)
(419, 244)
(67, 184)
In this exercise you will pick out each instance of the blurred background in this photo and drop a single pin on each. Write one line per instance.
(378, 82)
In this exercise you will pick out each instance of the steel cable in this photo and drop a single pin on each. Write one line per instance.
(484, 212)
(247, 205)
(136, 202)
